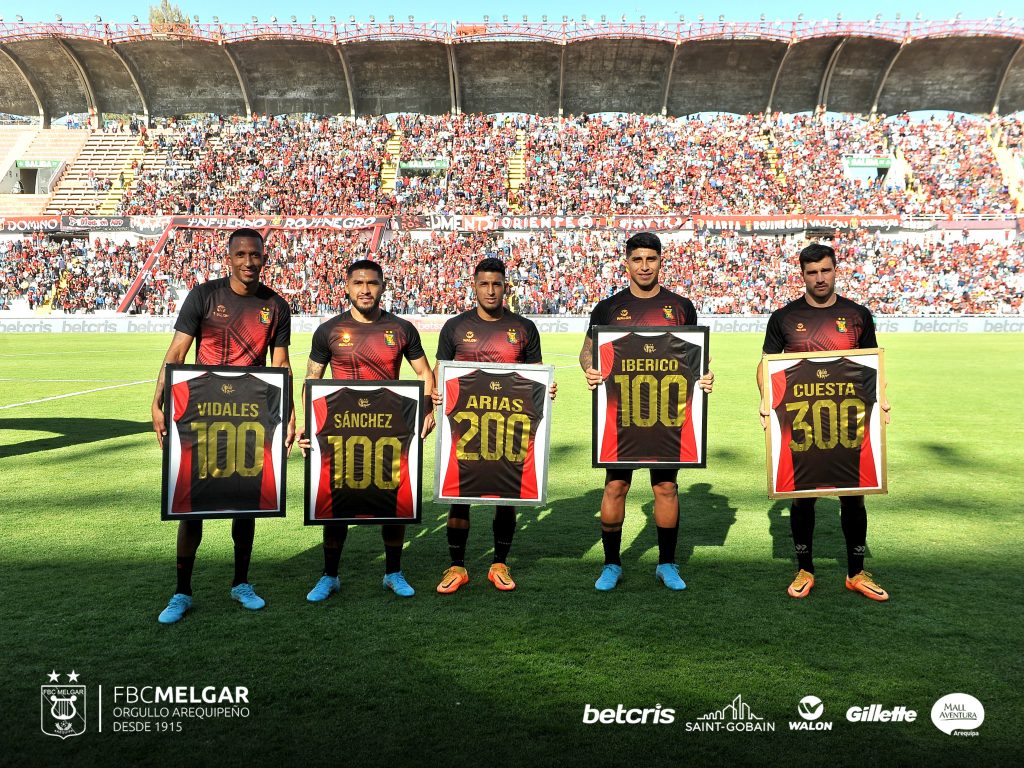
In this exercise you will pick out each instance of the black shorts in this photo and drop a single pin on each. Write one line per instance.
(657, 475)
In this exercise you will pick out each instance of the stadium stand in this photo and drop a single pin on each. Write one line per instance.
(803, 132)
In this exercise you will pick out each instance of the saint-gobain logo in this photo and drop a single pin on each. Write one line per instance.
(810, 708)
(958, 712)
(62, 708)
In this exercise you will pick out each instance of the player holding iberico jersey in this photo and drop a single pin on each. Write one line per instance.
(235, 320)
(643, 302)
(366, 343)
(488, 333)
(823, 321)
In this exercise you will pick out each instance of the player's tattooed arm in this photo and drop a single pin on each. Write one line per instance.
(176, 353)
(593, 375)
(314, 370)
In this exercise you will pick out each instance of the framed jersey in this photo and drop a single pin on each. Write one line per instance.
(365, 463)
(825, 433)
(493, 433)
(649, 412)
(224, 453)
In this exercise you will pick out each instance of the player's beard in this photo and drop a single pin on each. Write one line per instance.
(367, 310)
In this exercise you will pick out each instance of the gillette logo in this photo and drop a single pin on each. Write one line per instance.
(622, 716)
(876, 713)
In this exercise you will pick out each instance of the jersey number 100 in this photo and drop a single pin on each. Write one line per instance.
(209, 454)
(358, 460)
(659, 398)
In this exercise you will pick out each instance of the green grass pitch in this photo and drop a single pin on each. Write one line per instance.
(485, 678)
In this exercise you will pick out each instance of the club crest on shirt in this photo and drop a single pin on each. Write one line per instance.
(495, 386)
(227, 389)
(346, 339)
(822, 373)
(469, 338)
(364, 403)
(389, 338)
(220, 311)
(800, 327)
(511, 336)
(265, 315)
(841, 324)
(667, 312)
(624, 314)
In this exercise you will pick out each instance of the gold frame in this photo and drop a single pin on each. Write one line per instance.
(878, 352)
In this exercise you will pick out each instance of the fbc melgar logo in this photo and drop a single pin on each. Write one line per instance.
(622, 716)
(958, 714)
(62, 707)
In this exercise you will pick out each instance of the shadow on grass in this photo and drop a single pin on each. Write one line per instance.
(70, 432)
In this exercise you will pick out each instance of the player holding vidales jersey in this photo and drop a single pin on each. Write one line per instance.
(366, 343)
(643, 302)
(823, 321)
(235, 320)
(488, 333)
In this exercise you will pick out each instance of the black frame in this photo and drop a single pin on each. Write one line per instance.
(308, 508)
(705, 357)
(286, 412)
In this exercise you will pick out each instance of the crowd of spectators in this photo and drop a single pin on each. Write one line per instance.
(70, 275)
(724, 164)
(553, 273)
(266, 166)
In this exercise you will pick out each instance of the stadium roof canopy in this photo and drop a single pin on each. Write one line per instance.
(549, 69)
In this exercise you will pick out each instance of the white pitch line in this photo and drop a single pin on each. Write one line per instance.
(74, 394)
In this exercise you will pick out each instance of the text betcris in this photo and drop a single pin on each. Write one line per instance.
(622, 716)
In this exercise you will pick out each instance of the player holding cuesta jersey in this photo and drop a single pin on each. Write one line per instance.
(823, 321)
(366, 343)
(235, 320)
(488, 333)
(646, 303)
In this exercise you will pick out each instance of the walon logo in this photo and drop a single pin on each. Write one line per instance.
(62, 707)
(810, 709)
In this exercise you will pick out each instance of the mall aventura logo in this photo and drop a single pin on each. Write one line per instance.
(737, 716)
(62, 707)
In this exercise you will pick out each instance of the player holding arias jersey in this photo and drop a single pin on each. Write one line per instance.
(366, 343)
(488, 333)
(235, 321)
(646, 303)
(823, 321)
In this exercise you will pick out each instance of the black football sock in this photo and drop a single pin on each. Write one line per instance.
(853, 517)
(332, 559)
(334, 541)
(185, 565)
(504, 528)
(457, 538)
(242, 532)
(612, 541)
(801, 522)
(392, 558)
(667, 538)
